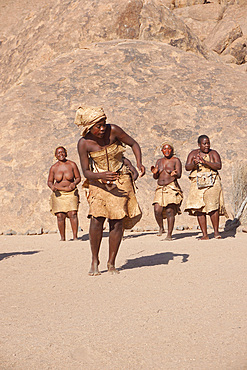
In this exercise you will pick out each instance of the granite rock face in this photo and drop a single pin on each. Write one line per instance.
(224, 34)
(238, 49)
(65, 54)
(67, 25)
(152, 90)
(218, 25)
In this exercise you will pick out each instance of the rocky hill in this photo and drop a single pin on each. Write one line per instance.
(161, 70)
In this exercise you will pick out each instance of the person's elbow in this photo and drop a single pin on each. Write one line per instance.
(219, 166)
(86, 173)
(135, 177)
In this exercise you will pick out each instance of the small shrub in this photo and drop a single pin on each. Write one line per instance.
(240, 189)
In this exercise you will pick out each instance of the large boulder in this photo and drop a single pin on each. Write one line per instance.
(221, 25)
(66, 25)
(201, 19)
(224, 33)
(152, 90)
(238, 49)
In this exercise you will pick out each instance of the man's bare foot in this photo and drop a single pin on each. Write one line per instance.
(160, 232)
(62, 240)
(94, 270)
(111, 269)
(205, 237)
(168, 238)
(217, 236)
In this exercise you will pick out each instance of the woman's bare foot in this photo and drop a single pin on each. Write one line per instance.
(205, 237)
(168, 238)
(111, 269)
(217, 236)
(94, 270)
(161, 231)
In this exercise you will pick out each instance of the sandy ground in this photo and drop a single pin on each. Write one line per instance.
(175, 305)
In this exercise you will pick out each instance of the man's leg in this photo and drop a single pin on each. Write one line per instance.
(95, 236)
(115, 237)
(170, 214)
(74, 223)
(201, 217)
(159, 218)
(215, 217)
(61, 224)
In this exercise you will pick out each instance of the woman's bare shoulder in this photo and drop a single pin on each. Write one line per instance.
(82, 141)
(70, 163)
(85, 143)
(53, 167)
(160, 160)
(213, 151)
(193, 151)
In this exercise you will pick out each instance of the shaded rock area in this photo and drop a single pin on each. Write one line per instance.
(153, 75)
(221, 25)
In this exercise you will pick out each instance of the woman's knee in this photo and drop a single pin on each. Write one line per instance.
(72, 214)
(158, 210)
(61, 216)
(97, 223)
(170, 212)
(117, 225)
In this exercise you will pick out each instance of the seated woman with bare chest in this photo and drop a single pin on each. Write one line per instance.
(168, 194)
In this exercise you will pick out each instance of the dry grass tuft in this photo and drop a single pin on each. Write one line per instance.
(240, 189)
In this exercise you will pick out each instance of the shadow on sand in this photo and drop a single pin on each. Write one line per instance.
(228, 234)
(12, 254)
(153, 260)
(134, 235)
(184, 235)
(85, 237)
(224, 234)
(106, 235)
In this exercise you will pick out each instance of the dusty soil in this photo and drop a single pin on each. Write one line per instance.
(174, 305)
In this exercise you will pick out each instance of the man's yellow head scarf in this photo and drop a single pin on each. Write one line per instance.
(87, 117)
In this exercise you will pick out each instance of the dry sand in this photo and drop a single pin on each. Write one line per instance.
(175, 305)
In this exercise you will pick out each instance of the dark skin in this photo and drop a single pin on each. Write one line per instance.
(64, 175)
(132, 169)
(166, 170)
(100, 136)
(194, 158)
